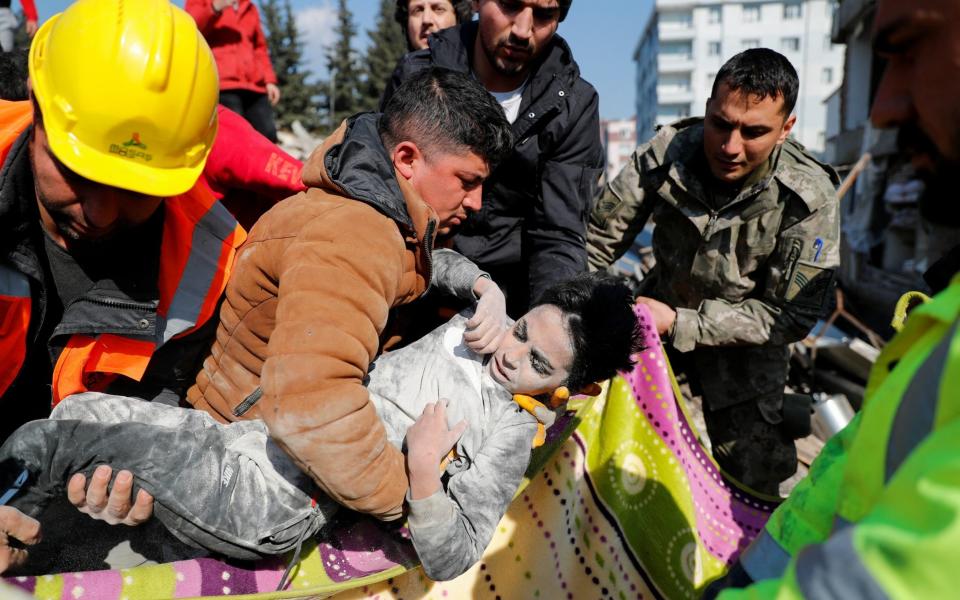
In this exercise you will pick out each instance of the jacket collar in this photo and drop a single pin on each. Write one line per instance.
(793, 166)
(353, 162)
(552, 77)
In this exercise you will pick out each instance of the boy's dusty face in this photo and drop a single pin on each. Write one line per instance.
(536, 354)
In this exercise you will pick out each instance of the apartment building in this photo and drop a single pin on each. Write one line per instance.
(695, 37)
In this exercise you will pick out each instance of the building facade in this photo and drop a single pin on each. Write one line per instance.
(645, 56)
(695, 38)
(619, 141)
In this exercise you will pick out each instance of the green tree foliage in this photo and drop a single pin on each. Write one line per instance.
(299, 97)
(387, 45)
(342, 91)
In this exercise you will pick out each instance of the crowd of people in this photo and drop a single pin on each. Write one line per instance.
(192, 320)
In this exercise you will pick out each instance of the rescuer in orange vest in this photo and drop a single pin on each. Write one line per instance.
(113, 258)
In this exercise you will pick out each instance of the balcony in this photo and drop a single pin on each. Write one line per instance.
(675, 63)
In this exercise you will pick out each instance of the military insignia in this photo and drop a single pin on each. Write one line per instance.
(809, 284)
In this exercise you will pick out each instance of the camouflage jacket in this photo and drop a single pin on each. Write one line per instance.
(757, 272)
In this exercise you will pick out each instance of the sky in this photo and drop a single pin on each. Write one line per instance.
(602, 33)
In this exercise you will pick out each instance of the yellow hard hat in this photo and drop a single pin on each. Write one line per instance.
(128, 90)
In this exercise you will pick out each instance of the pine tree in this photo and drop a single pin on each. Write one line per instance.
(342, 90)
(298, 97)
(387, 45)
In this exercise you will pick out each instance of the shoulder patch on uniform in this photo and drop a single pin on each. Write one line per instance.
(810, 285)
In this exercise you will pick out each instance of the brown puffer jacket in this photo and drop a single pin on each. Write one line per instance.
(304, 311)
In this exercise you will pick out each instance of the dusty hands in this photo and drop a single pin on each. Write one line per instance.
(489, 322)
(428, 442)
(273, 94)
(115, 509)
(16, 525)
(663, 316)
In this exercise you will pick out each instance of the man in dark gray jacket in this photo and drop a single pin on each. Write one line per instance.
(531, 230)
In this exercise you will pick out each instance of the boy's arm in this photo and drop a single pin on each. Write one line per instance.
(455, 274)
(451, 530)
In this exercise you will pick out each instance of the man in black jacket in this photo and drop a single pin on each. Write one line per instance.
(531, 230)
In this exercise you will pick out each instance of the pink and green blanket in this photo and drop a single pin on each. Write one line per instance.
(621, 502)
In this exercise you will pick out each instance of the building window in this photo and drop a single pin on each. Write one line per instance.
(713, 48)
(750, 43)
(673, 83)
(826, 75)
(792, 10)
(676, 19)
(715, 15)
(751, 13)
(790, 44)
(679, 50)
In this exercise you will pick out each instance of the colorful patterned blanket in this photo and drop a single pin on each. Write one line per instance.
(621, 502)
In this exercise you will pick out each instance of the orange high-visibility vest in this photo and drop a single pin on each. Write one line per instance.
(199, 243)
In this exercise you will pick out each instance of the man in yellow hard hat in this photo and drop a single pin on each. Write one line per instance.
(112, 258)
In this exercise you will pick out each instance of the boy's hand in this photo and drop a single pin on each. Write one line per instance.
(489, 322)
(114, 508)
(16, 525)
(428, 442)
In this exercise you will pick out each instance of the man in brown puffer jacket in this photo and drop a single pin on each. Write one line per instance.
(314, 285)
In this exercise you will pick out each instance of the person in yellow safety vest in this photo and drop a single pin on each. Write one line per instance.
(113, 259)
(879, 514)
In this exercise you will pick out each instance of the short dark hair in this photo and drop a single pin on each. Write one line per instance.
(602, 325)
(462, 9)
(446, 111)
(13, 74)
(760, 72)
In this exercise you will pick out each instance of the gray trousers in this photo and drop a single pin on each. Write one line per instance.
(224, 488)
(8, 25)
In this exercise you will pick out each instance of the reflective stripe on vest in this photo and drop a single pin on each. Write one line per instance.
(200, 239)
(914, 420)
(834, 570)
(14, 323)
(764, 558)
(199, 243)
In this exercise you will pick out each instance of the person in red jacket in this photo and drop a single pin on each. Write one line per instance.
(246, 172)
(248, 85)
(8, 22)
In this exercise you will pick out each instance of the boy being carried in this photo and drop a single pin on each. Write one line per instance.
(210, 480)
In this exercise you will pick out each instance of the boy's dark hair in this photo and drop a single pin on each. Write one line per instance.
(761, 72)
(462, 9)
(13, 74)
(599, 314)
(444, 111)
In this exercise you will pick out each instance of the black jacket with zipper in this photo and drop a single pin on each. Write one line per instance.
(531, 230)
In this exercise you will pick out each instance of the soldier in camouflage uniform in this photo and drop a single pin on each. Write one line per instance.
(746, 244)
